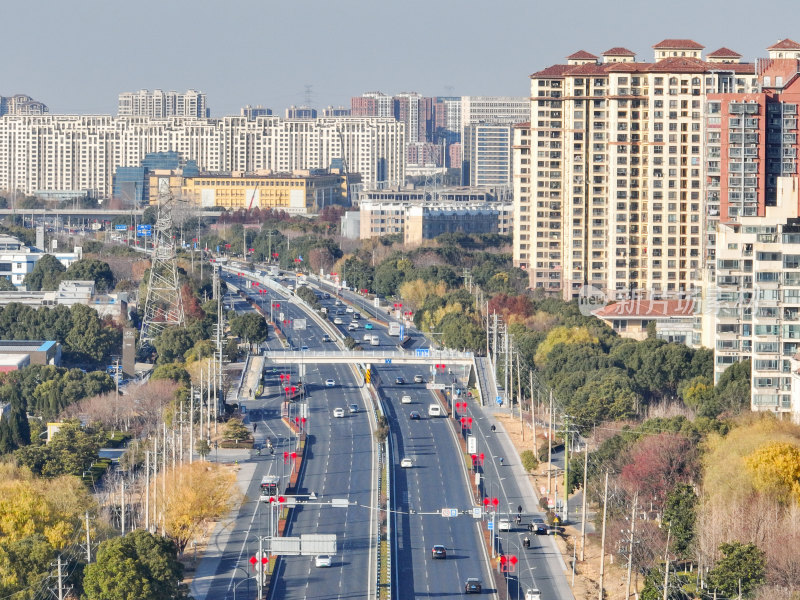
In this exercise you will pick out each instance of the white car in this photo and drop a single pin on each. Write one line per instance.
(405, 399)
(330, 382)
(338, 321)
(533, 594)
(352, 327)
(338, 412)
(406, 463)
(349, 309)
(504, 525)
(323, 561)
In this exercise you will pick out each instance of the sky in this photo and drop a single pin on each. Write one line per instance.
(76, 56)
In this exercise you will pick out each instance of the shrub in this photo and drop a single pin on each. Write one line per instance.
(529, 460)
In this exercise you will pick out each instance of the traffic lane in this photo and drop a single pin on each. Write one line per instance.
(540, 566)
(420, 488)
(339, 466)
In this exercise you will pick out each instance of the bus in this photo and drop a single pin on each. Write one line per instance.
(269, 486)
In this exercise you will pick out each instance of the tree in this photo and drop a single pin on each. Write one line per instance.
(250, 327)
(202, 448)
(6, 285)
(70, 452)
(88, 341)
(563, 335)
(172, 344)
(680, 513)
(741, 565)
(136, 566)
(235, 430)
(173, 371)
(46, 274)
(91, 269)
(775, 468)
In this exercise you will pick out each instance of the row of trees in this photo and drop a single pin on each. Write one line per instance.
(48, 273)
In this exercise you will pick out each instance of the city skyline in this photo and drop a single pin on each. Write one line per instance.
(81, 60)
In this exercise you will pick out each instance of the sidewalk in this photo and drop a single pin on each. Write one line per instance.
(211, 555)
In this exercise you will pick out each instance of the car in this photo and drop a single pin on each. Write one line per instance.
(356, 316)
(327, 338)
(419, 379)
(352, 327)
(368, 326)
(323, 560)
(438, 551)
(406, 463)
(533, 594)
(353, 408)
(303, 348)
(537, 526)
(330, 382)
(399, 380)
(337, 303)
(414, 415)
(405, 399)
(368, 338)
(504, 525)
(338, 412)
(349, 309)
(338, 321)
(473, 586)
(326, 295)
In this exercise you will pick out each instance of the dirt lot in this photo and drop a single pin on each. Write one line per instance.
(587, 573)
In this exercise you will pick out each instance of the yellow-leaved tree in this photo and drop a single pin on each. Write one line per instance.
(415, 292)
(775, 469)
(563, 335)
(197, 493)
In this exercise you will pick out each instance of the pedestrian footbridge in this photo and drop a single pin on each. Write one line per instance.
(421, 356)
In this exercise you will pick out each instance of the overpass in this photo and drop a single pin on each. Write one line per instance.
(420, 356)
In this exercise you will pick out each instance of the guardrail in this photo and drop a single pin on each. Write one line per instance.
(379, 356)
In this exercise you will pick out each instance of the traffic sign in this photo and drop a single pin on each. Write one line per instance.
(422, 352)
(387, 361)
(472, 444)
(498, 399)
(449, 512)
(376, 302)
(435, 386)
(121, 227)
(477, 512)
(489, 525)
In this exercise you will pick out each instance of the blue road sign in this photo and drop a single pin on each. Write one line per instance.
(499, 399)
(402, 331)
(387, 361)
(489, 525)
(121, 227)
(143, 227)
(422, 352)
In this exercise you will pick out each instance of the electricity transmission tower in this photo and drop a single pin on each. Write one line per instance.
(163, 307)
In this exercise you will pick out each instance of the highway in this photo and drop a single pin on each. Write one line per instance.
(338, 465)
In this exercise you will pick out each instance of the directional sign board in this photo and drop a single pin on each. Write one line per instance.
(435, 386)
(121, 227)
(449, 512)
(299, 324)
(489, 525)
(387, 361)
(286, 546)
(477, 512)
(422, 352)
(376, 302)
(499, 399)
(472, 444)
(305, 545)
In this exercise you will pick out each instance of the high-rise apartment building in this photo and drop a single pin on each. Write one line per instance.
(494, 109)
(486, 158)
(21, 105)
(82, 152)
(617, 194)
(251, 112)
(301, 112)
(372, 104)
(161, 104)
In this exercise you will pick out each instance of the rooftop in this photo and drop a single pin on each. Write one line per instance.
(785, 44)
(678, 45)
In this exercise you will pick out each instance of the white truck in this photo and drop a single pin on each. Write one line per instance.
(394, 329)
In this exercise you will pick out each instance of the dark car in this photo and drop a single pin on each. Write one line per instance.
(399, 380)
(537, 526)
(326, 338)
(438, 551)
(326, 296)
(414, 415)
(473, 586)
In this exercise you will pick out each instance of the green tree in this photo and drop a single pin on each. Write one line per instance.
(136, 566)
(680, 513)
(6, 285)
(235, 430)
(250, 327)
(91, 269)
(88, 341)
(173, 371)
(46, 274)
(741, 565)
(24, 563)
(172, 344)
(70, 452)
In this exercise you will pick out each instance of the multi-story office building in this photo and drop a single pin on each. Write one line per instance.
(486, 158)
(81, 152)
(617, 191)
(21, 105)
(372, 104)
(494, 109)
(160, 104)
(300, 193)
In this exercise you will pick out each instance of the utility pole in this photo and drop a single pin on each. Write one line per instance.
(666, 565)
(583, 508)
(122, 505)
(519, 399)
(191, 424)
(533, 414)
(603, 538)
(488, 335)
(88, 541)
(494, 343)
(550, 446)
(147, 490)
(60, 580)
(566, 468)
(630, 546)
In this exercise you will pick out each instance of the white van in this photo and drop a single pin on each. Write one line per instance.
(375, 341)
(434, 410)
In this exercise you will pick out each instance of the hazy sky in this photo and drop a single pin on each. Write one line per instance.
(76, 56)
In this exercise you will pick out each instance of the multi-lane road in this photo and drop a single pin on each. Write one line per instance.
(340, 464)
